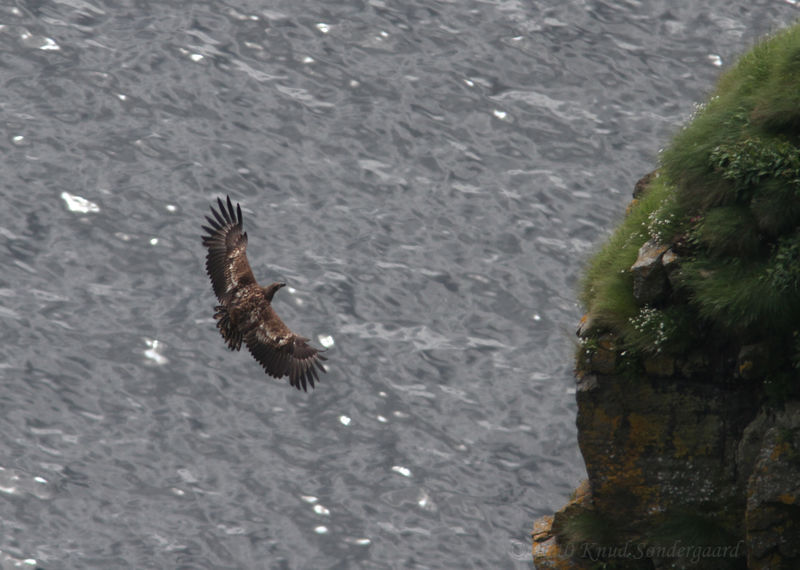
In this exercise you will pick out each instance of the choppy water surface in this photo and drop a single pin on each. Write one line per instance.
(427, 176)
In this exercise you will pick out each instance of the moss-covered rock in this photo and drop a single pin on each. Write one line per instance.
(725, 203)
(689, 367)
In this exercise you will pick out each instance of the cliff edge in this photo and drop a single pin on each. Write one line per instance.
(689, 361)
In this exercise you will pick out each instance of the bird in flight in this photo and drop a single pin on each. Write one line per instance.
(245, 311)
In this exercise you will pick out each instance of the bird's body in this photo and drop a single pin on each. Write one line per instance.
(245, 312)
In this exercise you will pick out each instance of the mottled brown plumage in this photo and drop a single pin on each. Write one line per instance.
(245, 311)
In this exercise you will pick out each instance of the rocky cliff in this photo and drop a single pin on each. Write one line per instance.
(689, 364)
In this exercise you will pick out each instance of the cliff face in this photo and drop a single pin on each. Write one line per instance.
(682, 474)
(689, 365)
(664, 448)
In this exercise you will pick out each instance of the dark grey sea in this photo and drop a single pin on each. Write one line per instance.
(428, 176)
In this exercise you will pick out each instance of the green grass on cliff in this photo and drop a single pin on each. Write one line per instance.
(607, 287)
(755, 107)
(727, 200)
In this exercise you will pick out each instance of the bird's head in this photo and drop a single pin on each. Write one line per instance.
(272, 288)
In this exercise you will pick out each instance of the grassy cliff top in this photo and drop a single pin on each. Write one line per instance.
(727, 201)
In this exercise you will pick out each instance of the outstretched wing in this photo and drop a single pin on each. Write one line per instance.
(226, 261)
(284, 354)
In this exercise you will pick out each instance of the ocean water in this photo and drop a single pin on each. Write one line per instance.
(428, 177)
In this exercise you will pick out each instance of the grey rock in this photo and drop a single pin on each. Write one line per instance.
(649, 276)
(772, 517)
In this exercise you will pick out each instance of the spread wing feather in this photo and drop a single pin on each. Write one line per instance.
(285, 355)
(226, 261)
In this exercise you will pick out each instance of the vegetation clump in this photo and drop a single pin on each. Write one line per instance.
(726, 202)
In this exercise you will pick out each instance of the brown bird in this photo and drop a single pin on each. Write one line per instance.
(245, 311)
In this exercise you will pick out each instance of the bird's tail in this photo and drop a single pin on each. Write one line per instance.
(226, 328)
